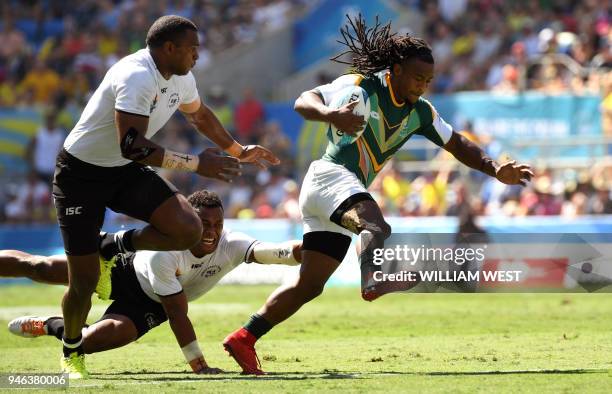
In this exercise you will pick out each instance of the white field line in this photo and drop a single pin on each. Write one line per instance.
(11, 312)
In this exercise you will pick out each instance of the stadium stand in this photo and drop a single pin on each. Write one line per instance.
(528, 58)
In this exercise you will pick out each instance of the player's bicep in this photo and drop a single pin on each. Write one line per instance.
(175, 304)
(125, 122)
(131, 130)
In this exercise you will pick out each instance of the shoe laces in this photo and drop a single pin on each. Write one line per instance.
(32, 326)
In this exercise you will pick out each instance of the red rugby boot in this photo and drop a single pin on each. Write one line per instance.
(241, 346)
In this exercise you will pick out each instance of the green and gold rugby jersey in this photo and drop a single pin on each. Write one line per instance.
(390, 125)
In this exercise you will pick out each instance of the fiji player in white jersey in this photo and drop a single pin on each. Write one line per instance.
(150, 287)
(104, 163)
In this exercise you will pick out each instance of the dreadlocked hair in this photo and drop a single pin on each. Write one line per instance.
(375, 48)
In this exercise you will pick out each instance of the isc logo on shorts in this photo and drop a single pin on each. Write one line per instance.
(74, 210)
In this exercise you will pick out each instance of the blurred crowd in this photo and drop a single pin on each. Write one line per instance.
(54, 54)
(553, 46)
(568, 193)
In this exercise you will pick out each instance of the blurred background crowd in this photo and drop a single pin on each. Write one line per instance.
(54, 54)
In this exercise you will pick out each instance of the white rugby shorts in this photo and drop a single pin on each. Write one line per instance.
(326, 186)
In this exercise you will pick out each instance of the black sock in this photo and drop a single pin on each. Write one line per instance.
(258, 326)
(72, 345)
(126, 241)
(55, 327)
(111, 244)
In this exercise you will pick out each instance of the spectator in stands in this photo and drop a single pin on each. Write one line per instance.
(13, 42)
(41, 82)
(394, 188)
(219, 104)
(280, 144)
(29, 201)
(289, 207)
(248, 117)
(44, 147)
(8, 92)
(271, 15)
(239, 197)
(509, 83)
(547, 201)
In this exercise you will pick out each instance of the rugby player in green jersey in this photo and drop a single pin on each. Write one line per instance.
(394, 70)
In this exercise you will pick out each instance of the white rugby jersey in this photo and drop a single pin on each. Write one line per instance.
(133, 85)
(168, 273)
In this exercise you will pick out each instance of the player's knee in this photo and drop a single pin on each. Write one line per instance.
(189, 232)
(85, 284)
(385, 229)
(381, 231)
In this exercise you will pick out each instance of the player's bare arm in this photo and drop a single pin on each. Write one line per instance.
(42, 269)
(285, 253)
(176, 308)
(311, 106)
(472, 156)
(205, 121)
(136, 147)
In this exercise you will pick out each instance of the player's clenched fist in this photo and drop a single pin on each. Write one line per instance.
(214, 164)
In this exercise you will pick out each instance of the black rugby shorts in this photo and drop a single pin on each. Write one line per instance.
(82, 191)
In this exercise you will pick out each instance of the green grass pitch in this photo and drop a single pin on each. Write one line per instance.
(400, 343)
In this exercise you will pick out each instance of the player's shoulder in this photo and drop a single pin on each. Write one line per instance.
(156, 257)
(425, 108)
(349, 79)
(235, 236)
(186, 81)
(134, 69)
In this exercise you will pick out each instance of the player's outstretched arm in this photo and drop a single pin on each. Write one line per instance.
(472, 156)
(310, 106)
(285, 253)
(176, 309)
(205, 121)
(135, 146)
(43, 269)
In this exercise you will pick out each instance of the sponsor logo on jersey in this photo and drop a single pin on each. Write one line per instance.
(210, 271)
(163, 90)
(173, 100)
